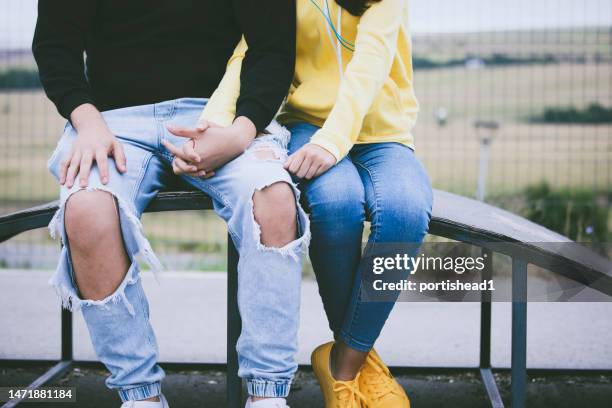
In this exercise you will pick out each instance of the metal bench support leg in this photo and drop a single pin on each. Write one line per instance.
(66, 335)
(59, 368)
(485, 337)
(234, 383)
(519, 332)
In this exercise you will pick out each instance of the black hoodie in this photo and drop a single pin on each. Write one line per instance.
(119, 53)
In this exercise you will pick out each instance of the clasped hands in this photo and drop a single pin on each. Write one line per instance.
(211, 146)
(208, 147)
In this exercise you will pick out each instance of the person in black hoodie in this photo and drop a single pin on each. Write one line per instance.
(130, 77)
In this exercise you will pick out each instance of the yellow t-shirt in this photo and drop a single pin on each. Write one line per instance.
(364, 96)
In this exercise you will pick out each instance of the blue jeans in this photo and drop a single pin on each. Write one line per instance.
(268, 278)
(382, 183)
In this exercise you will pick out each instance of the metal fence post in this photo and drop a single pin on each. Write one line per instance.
(485, 335)
(485, 314)
(234, 383)
(519, 332)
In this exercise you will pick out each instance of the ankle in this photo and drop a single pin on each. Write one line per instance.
(343, 375)
(341, 371)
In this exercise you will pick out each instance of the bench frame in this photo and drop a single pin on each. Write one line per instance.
(38, 217)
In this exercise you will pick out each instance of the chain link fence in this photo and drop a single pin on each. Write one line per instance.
(516, 108)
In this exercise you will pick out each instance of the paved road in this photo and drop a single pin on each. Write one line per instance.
(206, 389)
(188, 313)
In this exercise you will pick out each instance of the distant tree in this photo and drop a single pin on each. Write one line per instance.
(595, 113)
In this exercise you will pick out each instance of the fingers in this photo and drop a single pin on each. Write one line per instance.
(312, 172)
(304, 167)
(102, 162)
(179, 166)
(73, 168)
(177, 152)
(294, 162)
(186, 152)
(85, 166)
(306, 164)
(288, 162)
(322, 169)
(64, 166)
(202, 174)
(119, 156)
(191, 133)
(190, 153)
(82, 157)
(300, 164)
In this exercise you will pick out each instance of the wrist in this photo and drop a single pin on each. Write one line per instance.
(245, 131)
(86, 116)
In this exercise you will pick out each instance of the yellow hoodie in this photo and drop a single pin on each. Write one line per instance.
(364, 96)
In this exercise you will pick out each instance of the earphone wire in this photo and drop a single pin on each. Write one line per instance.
(345, 43)
(336, 44)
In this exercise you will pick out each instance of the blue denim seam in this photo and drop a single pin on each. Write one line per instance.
(348, 326)
(160, 135)
(145, 309)
(164, 117)
(374, 180)
(142, 172)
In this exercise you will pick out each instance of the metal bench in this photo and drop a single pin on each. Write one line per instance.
(454, 217)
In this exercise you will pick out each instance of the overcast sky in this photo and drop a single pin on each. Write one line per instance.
(17, 17)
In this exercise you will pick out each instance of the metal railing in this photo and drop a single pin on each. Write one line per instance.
(454, 217)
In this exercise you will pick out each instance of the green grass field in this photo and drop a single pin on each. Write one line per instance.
(522, 153)
(590, 43)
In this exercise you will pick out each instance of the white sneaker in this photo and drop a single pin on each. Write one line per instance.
(267, 403)
(162, 403)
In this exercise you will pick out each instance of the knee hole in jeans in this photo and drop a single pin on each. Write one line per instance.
(91, 218)
(275, 211)
(90, 215)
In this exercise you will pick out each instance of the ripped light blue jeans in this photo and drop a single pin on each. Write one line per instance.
(268, 278)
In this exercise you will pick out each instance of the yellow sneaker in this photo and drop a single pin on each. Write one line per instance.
(337, 394)
(379, 387)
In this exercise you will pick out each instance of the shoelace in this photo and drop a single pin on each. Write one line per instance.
(348, 393)
(379, 383)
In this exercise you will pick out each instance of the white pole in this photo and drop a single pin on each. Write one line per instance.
(483, 167)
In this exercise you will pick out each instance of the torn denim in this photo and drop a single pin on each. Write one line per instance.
(269, 278)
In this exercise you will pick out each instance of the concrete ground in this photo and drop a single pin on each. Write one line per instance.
(206, 388)
(560, 335)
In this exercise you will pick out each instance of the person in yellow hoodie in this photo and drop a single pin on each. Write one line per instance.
(350, 110)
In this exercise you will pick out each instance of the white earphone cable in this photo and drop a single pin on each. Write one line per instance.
(335, 42)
